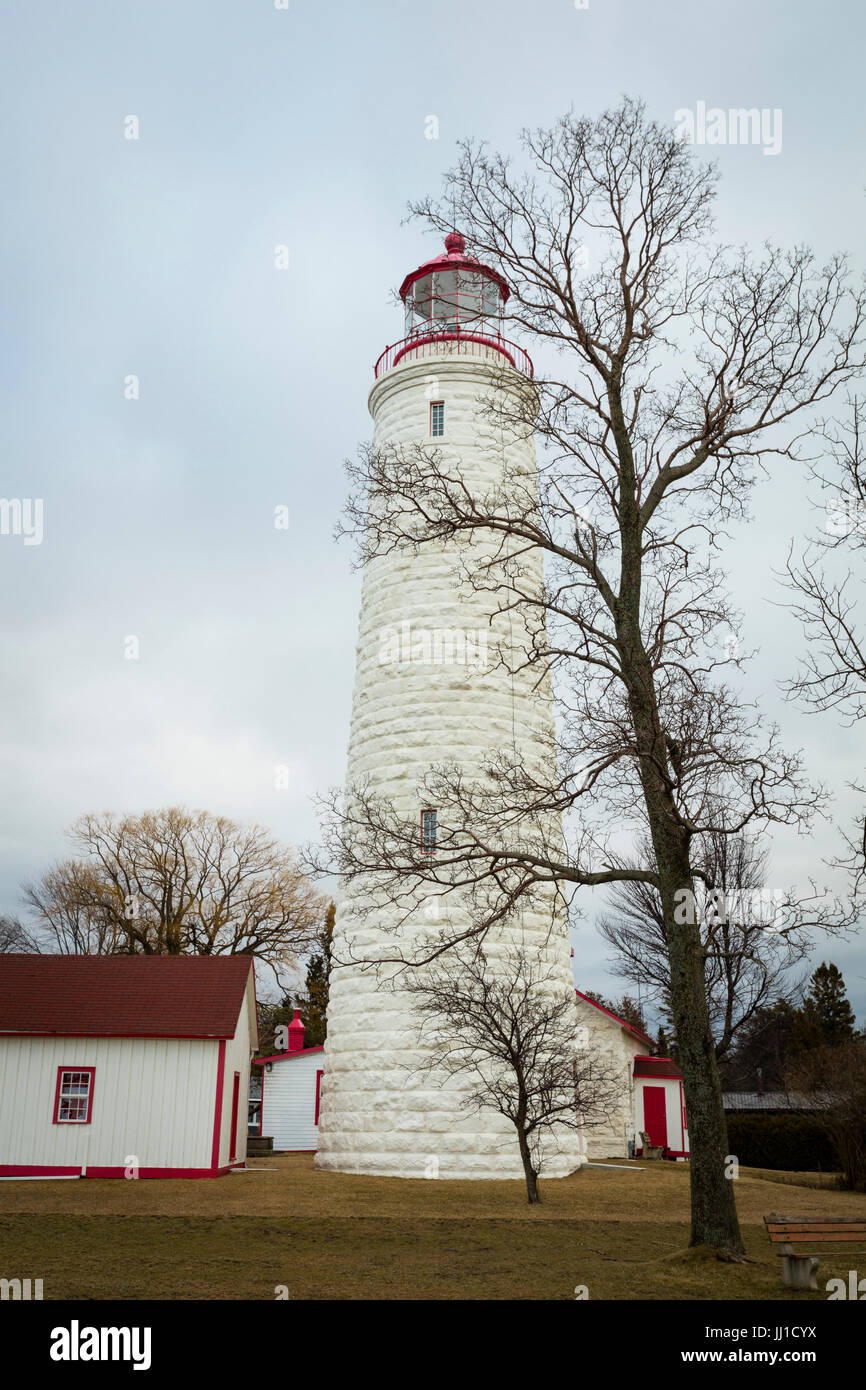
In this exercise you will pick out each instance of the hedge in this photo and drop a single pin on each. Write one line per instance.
(793, 1143)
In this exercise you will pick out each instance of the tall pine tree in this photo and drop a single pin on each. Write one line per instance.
(313, 1003)
(826, 1006)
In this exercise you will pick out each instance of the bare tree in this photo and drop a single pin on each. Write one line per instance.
(832, 674)
(514, 1034)
(14, 936)
(173, 881)
(672, 370)
(835, 1080)
(76, 911)
(753, 937)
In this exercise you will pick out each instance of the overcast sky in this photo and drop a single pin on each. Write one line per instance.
(261, 127)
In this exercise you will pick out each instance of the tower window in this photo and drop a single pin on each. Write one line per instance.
(437, 418)
(428, 832)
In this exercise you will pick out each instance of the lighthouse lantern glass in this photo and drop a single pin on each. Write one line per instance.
(447, 300)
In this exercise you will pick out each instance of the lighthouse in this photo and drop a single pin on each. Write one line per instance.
(439, 680)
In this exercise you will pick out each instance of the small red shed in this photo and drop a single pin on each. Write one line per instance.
(659, 1106)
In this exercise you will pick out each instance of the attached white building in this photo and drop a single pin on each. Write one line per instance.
(651, 1094)
(618, 1043)
(291, 1093)
(114, 1066)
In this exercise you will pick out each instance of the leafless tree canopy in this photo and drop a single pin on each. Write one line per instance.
(14, 936)
(680, 371)
(513, 1032)
(753, 937)
(835, 1080)
(828, 599)
(175, 881)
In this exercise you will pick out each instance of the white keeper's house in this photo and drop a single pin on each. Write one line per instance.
(114, 1066)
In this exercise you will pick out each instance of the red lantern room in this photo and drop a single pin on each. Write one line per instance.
(453, 291)
(452, 303)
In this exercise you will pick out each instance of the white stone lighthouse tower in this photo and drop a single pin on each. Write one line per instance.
(430, 689)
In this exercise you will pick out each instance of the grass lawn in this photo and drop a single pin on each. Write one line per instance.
(336, 1236)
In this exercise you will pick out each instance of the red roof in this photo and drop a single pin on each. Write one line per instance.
(287, 1056)
(123, 996)
(657, 1066)
(629, 1027)
(455, 258)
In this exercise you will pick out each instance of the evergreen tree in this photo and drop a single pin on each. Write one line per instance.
(630, 1010)
(827, 1006)
(625, 1008)
(667, 1044)
(313, 1002)
(775, 1039)
(271, 1017)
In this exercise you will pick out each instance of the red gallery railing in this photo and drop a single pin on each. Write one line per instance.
(434, 345)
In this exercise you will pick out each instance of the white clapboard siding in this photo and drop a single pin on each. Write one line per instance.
(607, 1134)
(166, 1039)
(237, 1060)
(289, 1100)
(153, 1098)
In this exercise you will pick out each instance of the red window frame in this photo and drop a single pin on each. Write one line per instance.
(440, 434)
(429, 811)
(72, 1071)
(319, 1075)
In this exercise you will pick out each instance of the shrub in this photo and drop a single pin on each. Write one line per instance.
(793, 1143)
(835, 1077)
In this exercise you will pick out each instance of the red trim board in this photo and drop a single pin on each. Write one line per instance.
(218, 1107)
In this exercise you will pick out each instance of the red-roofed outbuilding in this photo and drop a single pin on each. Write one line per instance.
(660, 1107)
(125, 1066)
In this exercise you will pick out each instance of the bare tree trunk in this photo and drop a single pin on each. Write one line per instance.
(528, 1169)
(714, 1212)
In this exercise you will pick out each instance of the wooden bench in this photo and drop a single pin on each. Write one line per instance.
(650, 1150)
(799, 1271)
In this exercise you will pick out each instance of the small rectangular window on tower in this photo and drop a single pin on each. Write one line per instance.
(437, 419)
(428, 832)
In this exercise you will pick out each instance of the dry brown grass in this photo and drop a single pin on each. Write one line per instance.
(334, 1235)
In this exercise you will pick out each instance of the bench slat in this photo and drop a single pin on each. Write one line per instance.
(829, 1239)
(793, 1228)
(776, 1219)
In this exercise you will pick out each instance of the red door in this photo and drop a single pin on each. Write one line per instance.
(655, 1120)
(236, 1090)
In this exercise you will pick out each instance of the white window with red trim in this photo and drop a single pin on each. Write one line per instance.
(73, 1096)
(437, 419)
